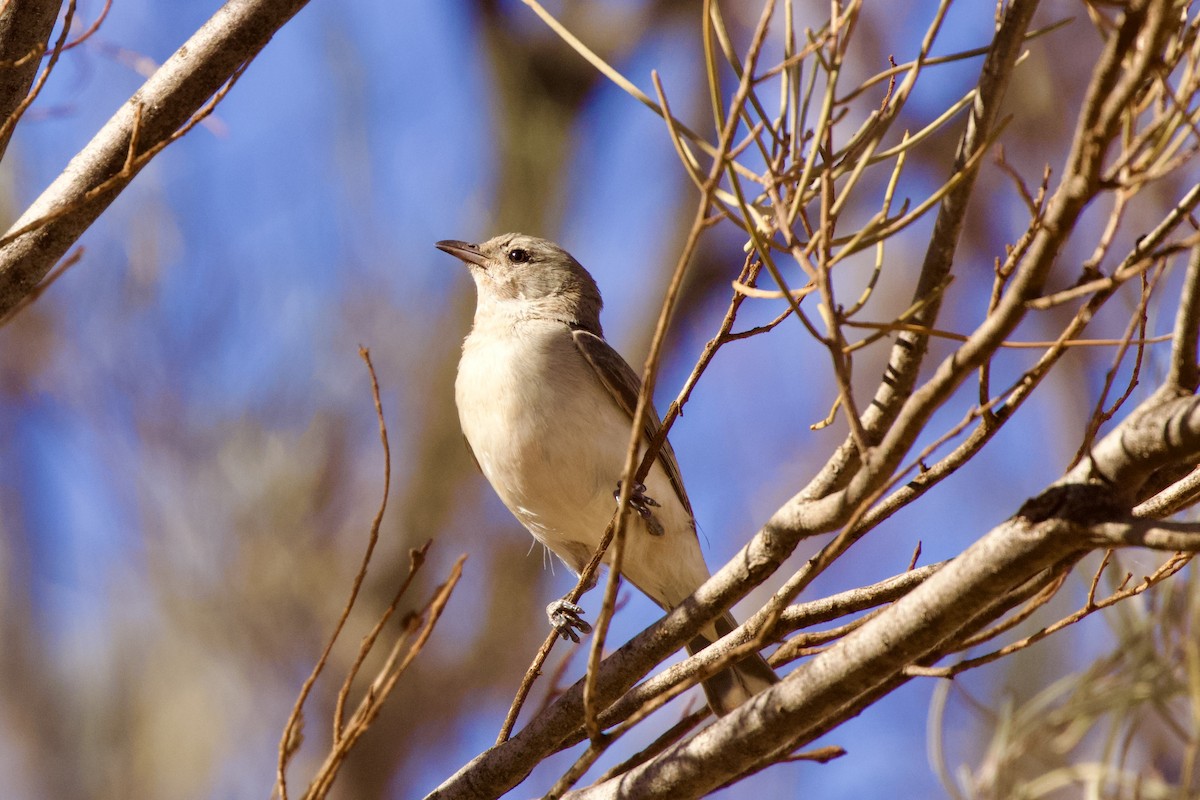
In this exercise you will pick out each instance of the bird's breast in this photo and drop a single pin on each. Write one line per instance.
(540, 424)
(551, 440)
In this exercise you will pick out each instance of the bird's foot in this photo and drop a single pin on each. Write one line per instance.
(640, 502)
(567, 618)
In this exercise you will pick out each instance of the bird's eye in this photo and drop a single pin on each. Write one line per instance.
(518, 256)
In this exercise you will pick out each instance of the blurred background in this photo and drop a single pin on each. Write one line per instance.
(189, 457)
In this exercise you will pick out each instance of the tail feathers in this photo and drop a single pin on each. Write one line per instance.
(735, 685)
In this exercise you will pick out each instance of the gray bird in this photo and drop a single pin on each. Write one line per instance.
(546, 405)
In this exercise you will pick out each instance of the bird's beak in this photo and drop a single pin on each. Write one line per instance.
(465, 251)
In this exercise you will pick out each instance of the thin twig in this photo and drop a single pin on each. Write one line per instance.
(632, 472)
(291, 729)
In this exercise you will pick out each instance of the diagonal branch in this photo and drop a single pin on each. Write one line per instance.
(837, 683)
(214, 55)
(1077, 513)
(1159, 434)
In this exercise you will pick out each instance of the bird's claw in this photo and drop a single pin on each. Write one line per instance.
(640, 502)
(567, 618)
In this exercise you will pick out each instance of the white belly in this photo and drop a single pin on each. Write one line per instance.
(548, 439)
(552, 442)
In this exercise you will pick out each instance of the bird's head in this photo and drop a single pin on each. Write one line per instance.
(529, 277)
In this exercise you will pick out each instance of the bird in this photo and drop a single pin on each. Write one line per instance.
(546, 406)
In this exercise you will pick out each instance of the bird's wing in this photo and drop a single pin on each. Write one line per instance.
(623, 384)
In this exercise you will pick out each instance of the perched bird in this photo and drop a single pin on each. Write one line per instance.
(546, 406)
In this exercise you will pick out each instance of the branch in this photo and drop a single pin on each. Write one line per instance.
(1176, 497)
(1183, 376)
(25, 27)
(1157, 435)
(839, 682)
(1049, 533)
(147, 122)
(1175, 537)
(793, 618)
(908, 353)
(1113, 84)
(1078, 513)
(1050, 530)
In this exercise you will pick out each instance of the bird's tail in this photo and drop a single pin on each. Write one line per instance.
(736, 684)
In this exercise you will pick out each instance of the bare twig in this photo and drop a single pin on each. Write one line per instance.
(1166, 570)
(59, 270)
(291, 729)
(418, 628)
(633, 472)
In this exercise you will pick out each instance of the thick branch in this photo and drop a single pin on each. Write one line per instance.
(840, 681)
(25, 27)
(794, 617)
(1076, 514)
(1155, 436)
(1183, 376)
(1176, 537)
(215, 54)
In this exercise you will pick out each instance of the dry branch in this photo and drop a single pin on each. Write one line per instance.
(153, 117)
(416, 629)
(25, 27)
